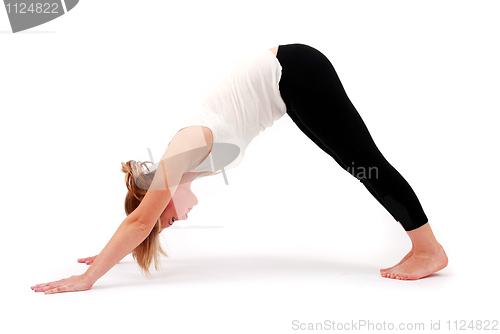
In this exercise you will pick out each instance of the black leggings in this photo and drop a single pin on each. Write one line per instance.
(317, 102)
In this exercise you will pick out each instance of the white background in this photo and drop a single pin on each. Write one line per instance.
(293, 236)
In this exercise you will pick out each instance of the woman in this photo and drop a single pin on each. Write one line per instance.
(295, 79)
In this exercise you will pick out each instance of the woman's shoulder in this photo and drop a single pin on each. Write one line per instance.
(190, 146)
(197, 134)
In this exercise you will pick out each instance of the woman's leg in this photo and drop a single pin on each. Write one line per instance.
(317, 102)
(326, 149)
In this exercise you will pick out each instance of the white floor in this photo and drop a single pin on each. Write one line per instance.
(293, 240)
(261, 280)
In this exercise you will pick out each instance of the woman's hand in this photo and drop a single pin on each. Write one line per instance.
(87, 260)
(71, 284)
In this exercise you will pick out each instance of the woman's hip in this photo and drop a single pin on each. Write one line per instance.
(307, 77)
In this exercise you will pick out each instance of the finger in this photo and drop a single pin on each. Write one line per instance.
(54, 290)
(87, 260)
(39, 287)
(84, 259)
(53, 282)
(45, 286)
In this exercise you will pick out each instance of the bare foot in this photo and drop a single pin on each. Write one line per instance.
(418, 265)
(410, 253)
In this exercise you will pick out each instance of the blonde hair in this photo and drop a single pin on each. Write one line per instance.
(138, 183)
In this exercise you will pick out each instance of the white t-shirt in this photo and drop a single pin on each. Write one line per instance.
(245, 103)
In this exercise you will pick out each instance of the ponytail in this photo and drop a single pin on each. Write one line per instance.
(138, 182)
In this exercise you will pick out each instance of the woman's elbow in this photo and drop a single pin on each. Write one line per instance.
(143, 227)
(139, 225)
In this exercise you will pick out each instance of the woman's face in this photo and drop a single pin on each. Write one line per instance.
(178, 208)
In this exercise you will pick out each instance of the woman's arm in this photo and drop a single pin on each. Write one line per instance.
(182, 155)
(132, 231)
